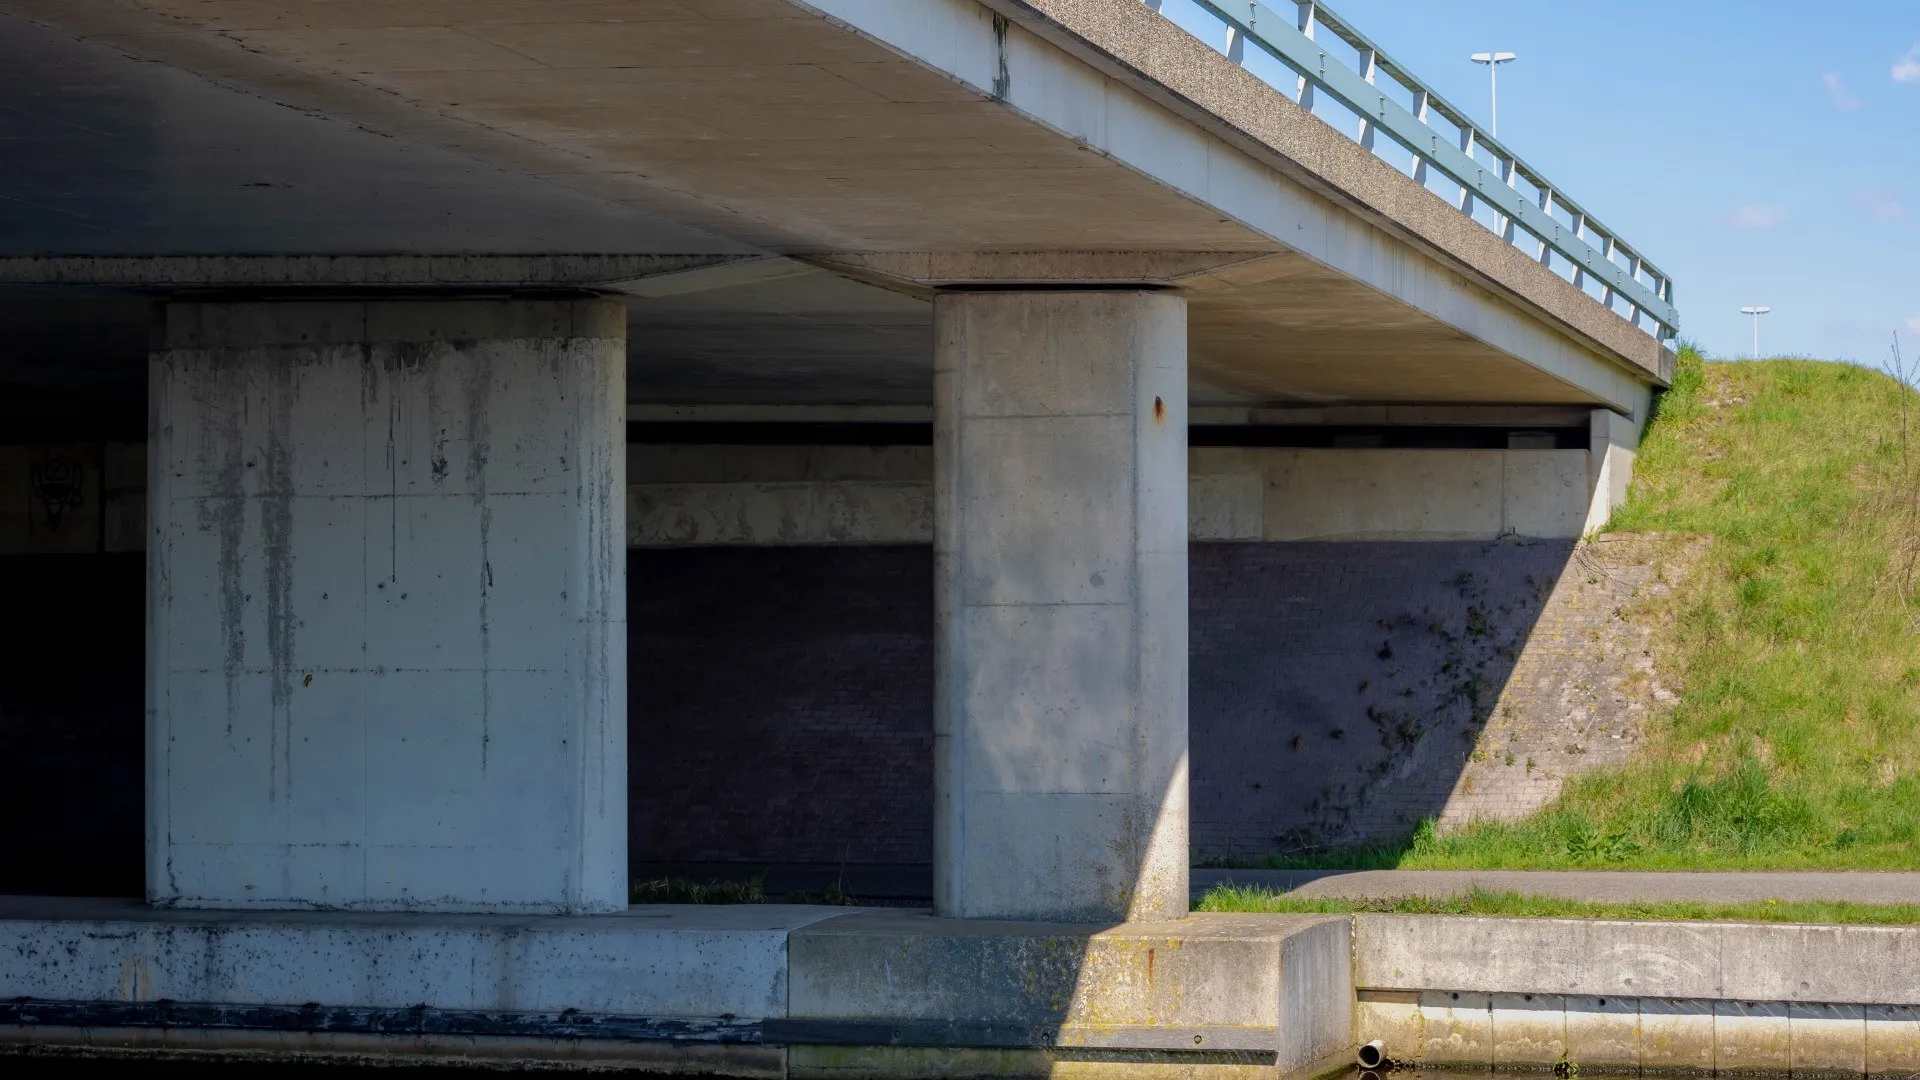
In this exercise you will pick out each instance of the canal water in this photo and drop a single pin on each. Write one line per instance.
(46, 1067)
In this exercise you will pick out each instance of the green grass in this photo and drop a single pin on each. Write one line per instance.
(1795, 642)
(1480, 902)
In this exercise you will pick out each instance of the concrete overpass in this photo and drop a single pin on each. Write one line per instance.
(393, 278)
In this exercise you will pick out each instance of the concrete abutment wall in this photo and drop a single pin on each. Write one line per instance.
(803, 660)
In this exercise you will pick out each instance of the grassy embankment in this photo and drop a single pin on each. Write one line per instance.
(1796, 642)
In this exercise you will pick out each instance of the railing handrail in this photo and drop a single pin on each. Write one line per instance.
(1642, 286)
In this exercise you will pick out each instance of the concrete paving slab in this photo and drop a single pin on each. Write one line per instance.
(1616, 886)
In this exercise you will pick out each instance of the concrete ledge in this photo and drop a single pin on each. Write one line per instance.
(312, 323)
(664, 961)
(1272, 984)
(1598, 957)
(1650, 997)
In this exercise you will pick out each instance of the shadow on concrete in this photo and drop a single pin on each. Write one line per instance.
(1340, 689)
(72, 724)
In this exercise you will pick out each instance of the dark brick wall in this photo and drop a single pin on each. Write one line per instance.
(1337, 689)
(781, 704)
(782, 701)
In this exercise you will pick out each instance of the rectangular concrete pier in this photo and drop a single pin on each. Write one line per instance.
(1060, 605)
(386, 620)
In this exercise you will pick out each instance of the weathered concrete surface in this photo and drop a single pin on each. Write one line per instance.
(387, 655)
(749, 990)
(1616, 441)
(690, 496)
(1060, 605)
(1604, 957)
(1277, 984)
(1375, 494)
(1722, 998)
(661, 960)
(1652, 1036)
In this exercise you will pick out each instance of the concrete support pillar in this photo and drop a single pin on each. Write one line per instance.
(386, 620)
(1616, 439)
(1060, 547)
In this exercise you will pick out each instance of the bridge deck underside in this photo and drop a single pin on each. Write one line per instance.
(729, 126)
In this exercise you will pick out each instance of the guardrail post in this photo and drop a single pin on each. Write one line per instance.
(1305, 95)
(1420, 106)
(1369, 65)
(1507, 178)
(1545, 252)
(1466, 192)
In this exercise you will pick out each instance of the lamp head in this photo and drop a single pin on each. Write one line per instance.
(1492, 58)
(1755, 310)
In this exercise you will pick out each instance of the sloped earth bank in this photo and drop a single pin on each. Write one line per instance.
(1794, 644)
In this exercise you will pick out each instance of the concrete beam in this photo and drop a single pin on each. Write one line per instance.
(615, 272)
(919, 273)
(1511, 416)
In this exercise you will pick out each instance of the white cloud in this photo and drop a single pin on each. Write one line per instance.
(1880, 205)
(1907, 68)
(1843, 99)
(1757, 217)
(1913, 325)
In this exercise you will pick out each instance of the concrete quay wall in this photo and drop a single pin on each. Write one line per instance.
(748, 990)
(1648, 997)
(791, 991)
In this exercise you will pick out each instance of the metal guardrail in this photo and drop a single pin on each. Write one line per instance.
(1594, 256)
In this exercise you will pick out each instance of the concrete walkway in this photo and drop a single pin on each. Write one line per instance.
(1730, 887)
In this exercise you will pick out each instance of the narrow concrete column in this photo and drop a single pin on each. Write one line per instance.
(386, 621)
(1060, 548)
(1615, 442)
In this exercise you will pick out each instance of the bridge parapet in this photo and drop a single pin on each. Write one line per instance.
(1316, 54)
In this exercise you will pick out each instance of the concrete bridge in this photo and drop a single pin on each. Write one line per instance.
(434, 310)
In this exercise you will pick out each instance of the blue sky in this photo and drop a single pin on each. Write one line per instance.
(1762, 152)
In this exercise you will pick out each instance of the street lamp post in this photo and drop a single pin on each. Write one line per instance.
(1756, 312)
(1493, 61)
